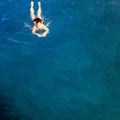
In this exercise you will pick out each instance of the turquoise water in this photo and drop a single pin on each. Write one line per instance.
(73, 73)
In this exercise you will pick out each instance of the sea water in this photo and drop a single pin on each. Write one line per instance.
(71, 74)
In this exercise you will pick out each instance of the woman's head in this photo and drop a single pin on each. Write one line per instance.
(37, 20)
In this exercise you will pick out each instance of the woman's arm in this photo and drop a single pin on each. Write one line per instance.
(46, 30)
(34, 32)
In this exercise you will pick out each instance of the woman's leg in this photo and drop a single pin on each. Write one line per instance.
(32, 10)
(39, 11)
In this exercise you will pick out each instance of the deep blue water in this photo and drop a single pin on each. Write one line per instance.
(73, 73)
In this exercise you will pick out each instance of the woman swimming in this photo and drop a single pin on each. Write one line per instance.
(38, 21)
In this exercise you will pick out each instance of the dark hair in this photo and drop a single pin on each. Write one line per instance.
(37, 20)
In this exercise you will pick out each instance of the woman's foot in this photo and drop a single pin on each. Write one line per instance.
(32, 3)
(39, 4)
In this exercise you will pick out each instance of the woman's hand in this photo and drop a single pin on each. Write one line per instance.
(39, 35)
(43, 35)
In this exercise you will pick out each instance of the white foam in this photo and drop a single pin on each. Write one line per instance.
(26, 25)
(47, 22)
